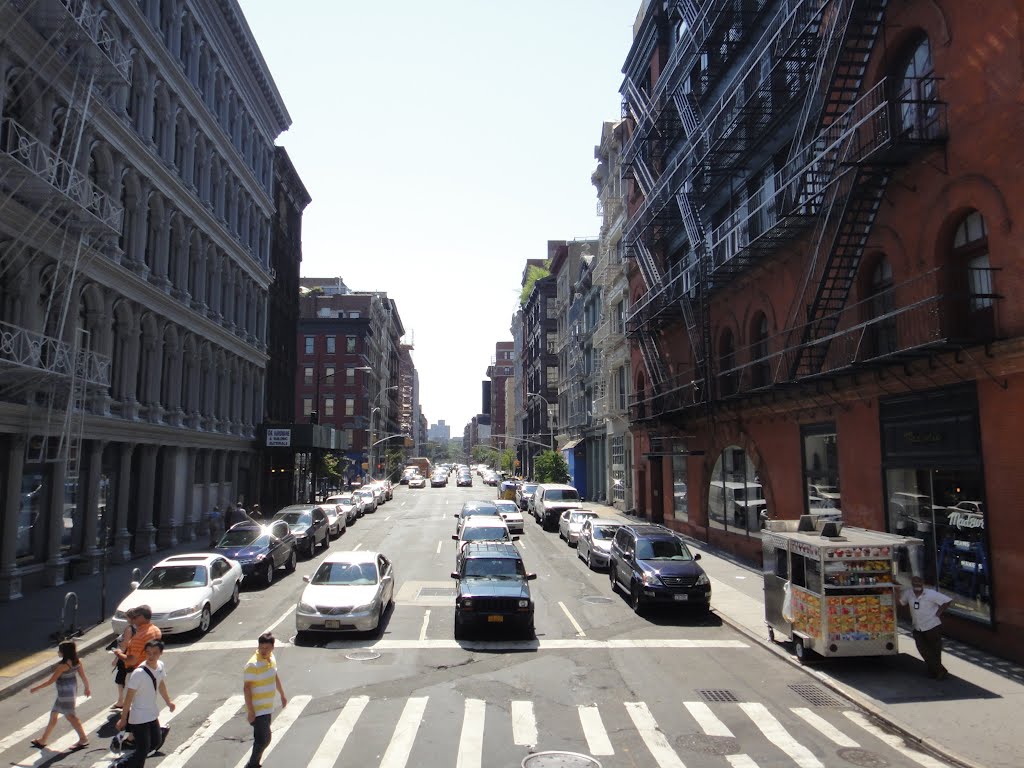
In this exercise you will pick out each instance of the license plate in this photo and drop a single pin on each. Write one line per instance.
(681, 598)
(332, 624)
(496, 619)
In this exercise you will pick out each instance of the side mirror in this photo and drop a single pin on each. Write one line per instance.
(306, 578)
(455, 537)
(455, 574)
(515, 538)
(531, 576)
(697, 556)
(134, 585)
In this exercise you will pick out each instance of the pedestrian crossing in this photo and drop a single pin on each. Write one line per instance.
(473, 732)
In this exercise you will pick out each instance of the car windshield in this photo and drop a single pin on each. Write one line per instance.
(296, 518)
(557, 494)
(604, 531)
(579, 517)
(360, 574)
(480, 511)
(493, 567)
(662, 549)
(507, 508)
(484, 534)
(529, 488)
(241, 537)
(340, 499)
(175, 577)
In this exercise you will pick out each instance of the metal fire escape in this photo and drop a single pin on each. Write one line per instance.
(53, 368)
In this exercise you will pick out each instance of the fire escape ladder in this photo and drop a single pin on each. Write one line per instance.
(648, 267)
(696, 322)
(653, 359)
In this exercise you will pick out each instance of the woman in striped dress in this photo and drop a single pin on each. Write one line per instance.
(65, 675)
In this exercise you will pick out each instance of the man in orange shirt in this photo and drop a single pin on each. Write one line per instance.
(145, 630)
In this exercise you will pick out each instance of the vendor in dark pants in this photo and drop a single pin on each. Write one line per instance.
(926, 609)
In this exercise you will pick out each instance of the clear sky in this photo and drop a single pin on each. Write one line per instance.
(444, 142)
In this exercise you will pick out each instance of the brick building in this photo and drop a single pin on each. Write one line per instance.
(499, 371)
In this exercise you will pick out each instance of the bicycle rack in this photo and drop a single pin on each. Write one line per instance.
(73, 630)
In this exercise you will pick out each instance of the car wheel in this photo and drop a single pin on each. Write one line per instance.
(293, 561)
(327, 539)
(590, 559)
(611, 577)
(458, 631)
(268, 574)
(634, 599)
(236, 596)
(205, 620)
(379, 629)
(312, 548)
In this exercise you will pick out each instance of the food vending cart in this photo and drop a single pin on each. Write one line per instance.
(842, 585)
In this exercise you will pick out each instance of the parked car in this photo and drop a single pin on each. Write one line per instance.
(349, 592)
(511, 515)
(523, 495)
(184, 592)
(595, 541)
(493, 590)
(337, 521)
(417, 481)
(259, 549)
(655, 566)
(350, 505)
(309, 524)
(550, 500)
(369, 499)
(570, 522)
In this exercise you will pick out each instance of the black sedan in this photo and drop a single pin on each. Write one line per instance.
(308, 524)
(259, 549)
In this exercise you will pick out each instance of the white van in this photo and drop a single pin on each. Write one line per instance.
(740, 504)
(550, 500)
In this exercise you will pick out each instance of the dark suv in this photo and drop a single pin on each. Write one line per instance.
(656, 566)
(493, 589)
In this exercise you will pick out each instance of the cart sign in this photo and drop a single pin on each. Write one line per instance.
(279, 438)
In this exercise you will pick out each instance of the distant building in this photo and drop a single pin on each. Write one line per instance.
(501, 369)
(439, 432)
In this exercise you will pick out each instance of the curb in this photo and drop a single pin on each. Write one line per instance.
(97, 637)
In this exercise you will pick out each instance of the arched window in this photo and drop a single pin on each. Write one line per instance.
(727, 379)
(880, 337)
(760, 368)
(917, 93)
(971, 261)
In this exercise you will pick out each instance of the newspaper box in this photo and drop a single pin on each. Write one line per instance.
(833, 590)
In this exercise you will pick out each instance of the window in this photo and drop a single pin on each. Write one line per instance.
(820, 459)
(619, 318)
(307, 406)
(309, 345)
(619, 477)
(735, 496)
(971, 259)
(350, 343)
(917, 94)
(621, 388)
(680, 502)
(350, 406)
(328, 406)
(330, 345)
(329, 375)
(350, 376)
(552, 377)
(881, 334)
(307, 375)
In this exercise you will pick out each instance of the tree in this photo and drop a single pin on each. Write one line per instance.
(533, 274)
(329, 469)
(550, 467)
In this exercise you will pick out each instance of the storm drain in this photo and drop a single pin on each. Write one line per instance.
(558, 759)
(597, 600)
(436, 592)
(717, 695)
(362, 656)
(815, 695)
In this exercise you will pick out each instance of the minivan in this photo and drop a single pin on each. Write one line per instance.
(740, 504)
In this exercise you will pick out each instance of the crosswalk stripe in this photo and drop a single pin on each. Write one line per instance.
(42, 756)
(165, 717)
(895, 742)
(824, 727)
(653, 737)
(471, 742)
(281, 724)
(706, 719)
(779, 736)
(524, 724)
(397, 754)
(36, 725)
(741, 761)
(327, 753)
(204, 733)
(594, 731)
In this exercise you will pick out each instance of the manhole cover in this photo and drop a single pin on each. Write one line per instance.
(597, 599)
(862, 757)
(709, 745)
(717, 694)
(362, 656)
(815, 695)
(559, 760)
(436, 592)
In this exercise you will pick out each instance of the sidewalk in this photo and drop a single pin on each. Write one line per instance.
(971, 718)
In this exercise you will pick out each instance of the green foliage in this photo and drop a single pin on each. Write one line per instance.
(331, 467)
(550, 467)
(533, 274)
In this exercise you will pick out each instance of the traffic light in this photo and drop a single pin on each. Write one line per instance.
(314, 417)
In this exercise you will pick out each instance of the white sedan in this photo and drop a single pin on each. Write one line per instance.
(183, 592)
(417, 481)
(510, 513)
(570, 523)
(350, 591)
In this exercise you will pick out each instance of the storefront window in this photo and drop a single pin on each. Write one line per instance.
(618, 451)
(680, 504)
(31, 522)
(735, 495)
(104, 521)
(821, 468)
(69, 517)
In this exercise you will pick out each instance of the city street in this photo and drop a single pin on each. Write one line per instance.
(660, 690)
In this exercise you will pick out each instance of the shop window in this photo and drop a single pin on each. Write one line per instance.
(880, 338)
(70, 519)
(821, 468)
(680, 501)
(735, 496)
(31, 522)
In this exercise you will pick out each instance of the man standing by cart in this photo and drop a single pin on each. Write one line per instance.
(926, 609)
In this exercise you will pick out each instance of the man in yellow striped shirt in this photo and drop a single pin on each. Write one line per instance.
(261, 681)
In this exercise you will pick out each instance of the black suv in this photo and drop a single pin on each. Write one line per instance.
(493, 589)
(656, 566)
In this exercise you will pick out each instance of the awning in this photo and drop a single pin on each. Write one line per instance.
(571, 444)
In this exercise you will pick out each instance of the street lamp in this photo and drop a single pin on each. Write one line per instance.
(376, 409)
(551, 430)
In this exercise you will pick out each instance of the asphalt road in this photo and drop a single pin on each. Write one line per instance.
(662, 690)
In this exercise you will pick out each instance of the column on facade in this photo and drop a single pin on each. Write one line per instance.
(233, 490)
(172, 504)
(103, 344)
(190, 526)
(14, 465)
(55, 560)
(90, 517)
(223, 494)
(121, 549)
(145, 533)
(209, 497)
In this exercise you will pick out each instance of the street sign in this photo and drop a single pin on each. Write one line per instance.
(279, 438)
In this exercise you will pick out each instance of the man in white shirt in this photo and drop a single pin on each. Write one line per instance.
(140, 704)
(926, 609)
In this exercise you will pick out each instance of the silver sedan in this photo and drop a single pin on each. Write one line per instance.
(350, 591)
(595, 541)
(571, 523)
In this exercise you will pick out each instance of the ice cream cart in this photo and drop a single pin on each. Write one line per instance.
(833, 589)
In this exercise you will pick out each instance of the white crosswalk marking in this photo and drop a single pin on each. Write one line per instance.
(165, 717)
(707, 719)
(653, 737)
(42, 756)
(471, 743)
(281, 724)
(779, 736)
(327, 753)
(397, 754)
(204, 733)
(23, 734)
(594, 731)
(824, 727)
(895, 742)
(524, 724)
(740, 761)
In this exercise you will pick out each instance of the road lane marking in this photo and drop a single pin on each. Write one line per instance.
(204, 733)
(35, 725)
(165, 717)
(438, 552)
(624, 644)
(327, 753)
(824, 727)
(579, 629)
(524, 724)
(285, 719)
(707, 719)
(357, 546)
(740, 761)
(387, 518)
(423, 629)
(274, 626)
(779, 736)
(471, 742)
(895, 742)
(45, 756)
(653, 737)
(397, 754)
(598, 742)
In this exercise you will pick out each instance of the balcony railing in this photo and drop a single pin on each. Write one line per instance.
(36, 352)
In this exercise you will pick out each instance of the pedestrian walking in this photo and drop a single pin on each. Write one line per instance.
(145, 630)
(260, 682)
(141, 714)
(216, 523)
(120, 670)
(65, 676)
(926, 609)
